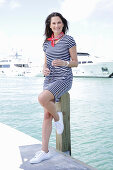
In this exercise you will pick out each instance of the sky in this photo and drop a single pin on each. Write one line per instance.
(22, 24)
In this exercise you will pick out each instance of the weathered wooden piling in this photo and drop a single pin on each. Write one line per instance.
(63, 142)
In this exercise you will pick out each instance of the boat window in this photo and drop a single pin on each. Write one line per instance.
(90, 61)
(3, 60)
(79, 62)
(25, 65)
(83, 54)
(83, 62)
(5, 66)
(21, 65)
(104, 69)
(18, 65)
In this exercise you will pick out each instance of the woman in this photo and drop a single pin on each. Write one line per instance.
(60, 56)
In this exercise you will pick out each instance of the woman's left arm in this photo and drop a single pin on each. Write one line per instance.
(74, 60)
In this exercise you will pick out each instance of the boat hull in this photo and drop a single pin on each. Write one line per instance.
(98, 69)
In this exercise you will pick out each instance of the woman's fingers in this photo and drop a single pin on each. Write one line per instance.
(46, 71)
(58, 62)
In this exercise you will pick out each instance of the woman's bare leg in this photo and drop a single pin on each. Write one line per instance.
(46, 99)
(46, 130)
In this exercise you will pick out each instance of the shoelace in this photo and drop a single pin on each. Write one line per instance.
(39, 154)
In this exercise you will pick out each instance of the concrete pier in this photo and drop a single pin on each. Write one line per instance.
(17, 148)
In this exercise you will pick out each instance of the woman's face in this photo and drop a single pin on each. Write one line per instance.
(56, 25)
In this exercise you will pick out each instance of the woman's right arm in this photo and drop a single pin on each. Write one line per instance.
(46, 71)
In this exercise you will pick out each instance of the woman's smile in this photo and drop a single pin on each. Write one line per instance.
(56, 25)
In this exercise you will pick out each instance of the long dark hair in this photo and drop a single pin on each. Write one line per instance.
(48, 31)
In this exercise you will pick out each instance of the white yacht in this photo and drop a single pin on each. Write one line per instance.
(90, 66)
(14, 65)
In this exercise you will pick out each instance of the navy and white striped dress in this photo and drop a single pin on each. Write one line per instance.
(59, 81)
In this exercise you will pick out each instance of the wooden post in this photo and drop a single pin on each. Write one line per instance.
(63, 142)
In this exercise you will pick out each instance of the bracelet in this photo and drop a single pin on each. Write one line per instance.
(67, 63)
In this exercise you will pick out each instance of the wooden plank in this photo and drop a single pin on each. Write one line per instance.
(17, 148)
(58, 161)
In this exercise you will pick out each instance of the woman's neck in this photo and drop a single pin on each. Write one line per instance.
(55, 35)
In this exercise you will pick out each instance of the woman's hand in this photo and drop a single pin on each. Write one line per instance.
(46, 71)
(58, 62)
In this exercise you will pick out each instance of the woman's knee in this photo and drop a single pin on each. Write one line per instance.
(44, 98)
(40, 98)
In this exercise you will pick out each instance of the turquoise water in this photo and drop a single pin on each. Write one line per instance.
(91, 115)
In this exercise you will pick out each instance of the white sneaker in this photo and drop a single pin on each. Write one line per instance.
(59, 124)
(40, 156)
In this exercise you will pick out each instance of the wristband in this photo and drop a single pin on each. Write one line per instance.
(67, 63)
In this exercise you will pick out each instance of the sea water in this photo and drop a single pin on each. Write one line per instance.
(91, 104)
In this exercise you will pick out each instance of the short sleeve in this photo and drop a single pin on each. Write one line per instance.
(45, 45)
(71, 41)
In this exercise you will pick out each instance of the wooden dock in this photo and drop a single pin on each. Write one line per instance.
(17, 148)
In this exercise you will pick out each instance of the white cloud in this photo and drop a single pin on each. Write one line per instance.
(106, 5)
(2, 2)
(30, 45)
(94, 14)
(75, 10)
(14, 4)
(95, 45)
(4, 42)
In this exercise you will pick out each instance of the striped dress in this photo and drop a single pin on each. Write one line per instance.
(59, 81)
